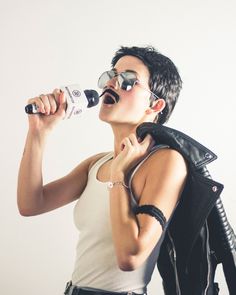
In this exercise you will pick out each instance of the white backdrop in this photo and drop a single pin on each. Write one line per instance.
(49, 43)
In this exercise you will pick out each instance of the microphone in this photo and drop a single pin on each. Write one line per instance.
(77, 101)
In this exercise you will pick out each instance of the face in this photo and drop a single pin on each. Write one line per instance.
(133, 104)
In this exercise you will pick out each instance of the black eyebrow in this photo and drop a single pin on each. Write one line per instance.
(127, 70)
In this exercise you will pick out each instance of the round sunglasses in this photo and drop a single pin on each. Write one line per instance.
(126, 80)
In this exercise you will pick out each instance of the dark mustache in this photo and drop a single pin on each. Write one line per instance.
(113, 93)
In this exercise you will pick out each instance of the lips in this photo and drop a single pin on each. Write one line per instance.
(110, 96)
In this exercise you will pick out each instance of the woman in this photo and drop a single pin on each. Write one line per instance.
(120, 236)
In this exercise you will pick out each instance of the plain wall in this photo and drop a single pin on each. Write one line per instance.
(46, 44)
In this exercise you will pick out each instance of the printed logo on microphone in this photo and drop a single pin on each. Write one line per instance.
(77, 112)
(76, 93)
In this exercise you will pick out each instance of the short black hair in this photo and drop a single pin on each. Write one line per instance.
(164, 81)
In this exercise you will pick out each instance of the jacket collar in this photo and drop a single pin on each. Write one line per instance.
(195, 153)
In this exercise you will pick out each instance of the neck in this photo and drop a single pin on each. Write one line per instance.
(121, 131)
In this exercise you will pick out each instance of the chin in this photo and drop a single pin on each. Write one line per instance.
(104, 118)
(119, 119)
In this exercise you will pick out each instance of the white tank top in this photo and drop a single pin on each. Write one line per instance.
(96, 264)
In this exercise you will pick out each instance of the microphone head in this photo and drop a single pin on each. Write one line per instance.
(92, 96)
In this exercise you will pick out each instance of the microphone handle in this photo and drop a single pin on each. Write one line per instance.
(76, 100)
(31, 109)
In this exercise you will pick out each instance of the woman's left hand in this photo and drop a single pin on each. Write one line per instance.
(132, 150)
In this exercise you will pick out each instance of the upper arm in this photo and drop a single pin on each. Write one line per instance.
(164, 182)
(68, 188)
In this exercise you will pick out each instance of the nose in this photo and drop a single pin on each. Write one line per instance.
(113, 83)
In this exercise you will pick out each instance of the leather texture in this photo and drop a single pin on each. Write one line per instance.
(199, 236)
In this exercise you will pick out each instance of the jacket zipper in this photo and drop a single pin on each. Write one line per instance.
(173, 260)
(208, 260)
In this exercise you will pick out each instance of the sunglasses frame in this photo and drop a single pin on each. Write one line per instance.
(135, 81)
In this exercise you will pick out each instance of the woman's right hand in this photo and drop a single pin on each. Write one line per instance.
(52, 108)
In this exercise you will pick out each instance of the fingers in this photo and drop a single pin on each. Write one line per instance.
(133, 139)
(61, 104)
(38, 102)
(133, 142)
(148, 142)
(47, 104)
(126, 143)
(56, 92)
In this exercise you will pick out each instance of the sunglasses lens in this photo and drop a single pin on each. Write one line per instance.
(104, 78)
(127, 80)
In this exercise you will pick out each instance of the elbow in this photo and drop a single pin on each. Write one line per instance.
(130, 261)
(127, 264)
(134, 258)
(25, 212)
(27, 208)
(22, 209)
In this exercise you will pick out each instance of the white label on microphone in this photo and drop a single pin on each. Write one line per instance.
(76, 100)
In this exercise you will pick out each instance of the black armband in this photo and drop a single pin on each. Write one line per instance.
(153, 211)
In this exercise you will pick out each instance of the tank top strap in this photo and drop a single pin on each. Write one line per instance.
(99, 162)
(153, 150)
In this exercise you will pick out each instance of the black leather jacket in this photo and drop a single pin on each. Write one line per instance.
(199, 236)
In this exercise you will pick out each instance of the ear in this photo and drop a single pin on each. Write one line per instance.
(157, 107)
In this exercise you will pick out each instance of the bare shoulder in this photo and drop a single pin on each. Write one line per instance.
(164, 168)
(165, 176)
(166, 159)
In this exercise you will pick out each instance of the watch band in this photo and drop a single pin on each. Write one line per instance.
(111, 184)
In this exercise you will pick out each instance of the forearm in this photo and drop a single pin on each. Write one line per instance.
(30, 182)
(125, 229)
(134, 236)
(124, 224)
